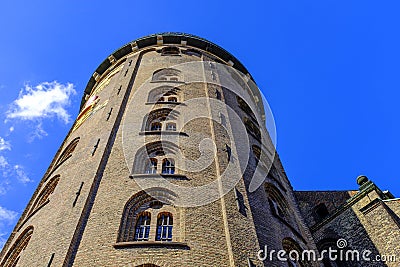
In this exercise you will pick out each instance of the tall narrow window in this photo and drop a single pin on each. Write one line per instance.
(168, 166)
(172, 99)
(156, 126)
(218, 94)
(164, 227)
(222, 119)
(142, 228)
(152, 166)
(171, 126)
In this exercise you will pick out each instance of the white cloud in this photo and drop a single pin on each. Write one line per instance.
(3, 189)
(21, 175)
(4, 145)
(3, 162)
(8, 170)
(45, 100)
(38, 133)
(7, 217)
(3, 239)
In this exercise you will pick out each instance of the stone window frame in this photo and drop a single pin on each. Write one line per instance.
(155, 126)
(170, 126)
(164, 226)
(142, 226)
(13, 255)
(277, 202)
(168, 166)
(159, 94)
(160, 117)
(160, 151)
(160, 161)
(42, 198)
(167, 75)
(142, 203)
(66, 154)
(151, 166)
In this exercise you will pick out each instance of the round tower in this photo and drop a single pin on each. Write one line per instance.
(169, 163)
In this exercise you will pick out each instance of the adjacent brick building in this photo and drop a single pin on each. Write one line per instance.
(169, 163)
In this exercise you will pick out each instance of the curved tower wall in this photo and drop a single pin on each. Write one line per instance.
(85, 210)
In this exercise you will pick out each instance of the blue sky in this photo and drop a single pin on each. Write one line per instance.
(329, 70)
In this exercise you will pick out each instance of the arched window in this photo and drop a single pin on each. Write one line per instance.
(276, 201)
(44, 195)
(171, 126)
(165, 94)
(164, 227)
(156, 157)
(156, 126)
(13, 255)
(66, 154)
(168, 166)
(252, 128)
(142, 228)
(275, 208)
(172, 99)
(152, 166)
(157, 118)
(138, 223)
(244, 106)
(167, 74)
